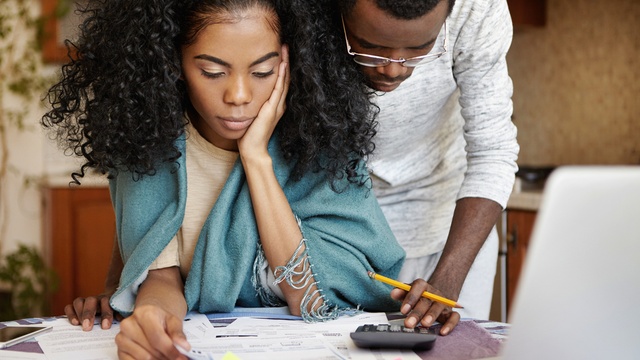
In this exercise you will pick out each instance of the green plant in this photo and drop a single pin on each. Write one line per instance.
(25, 280)
(30, 280)
(21, 84)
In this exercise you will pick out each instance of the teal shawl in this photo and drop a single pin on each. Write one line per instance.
(346, 236)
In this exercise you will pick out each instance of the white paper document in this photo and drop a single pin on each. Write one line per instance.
(67, 341)
(246, 338)
(253, 338)
(19, 355)
(70, 342)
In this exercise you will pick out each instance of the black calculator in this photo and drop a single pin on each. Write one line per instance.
(385, 336)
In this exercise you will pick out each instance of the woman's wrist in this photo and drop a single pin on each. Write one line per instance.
(257, 162)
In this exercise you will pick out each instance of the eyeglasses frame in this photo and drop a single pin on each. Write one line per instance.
(401, 61)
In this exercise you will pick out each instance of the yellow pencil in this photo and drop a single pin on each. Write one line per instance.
(406, 287)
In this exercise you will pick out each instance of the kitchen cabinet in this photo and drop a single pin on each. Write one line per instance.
(79, 228)
(528, 12)
(518, 232)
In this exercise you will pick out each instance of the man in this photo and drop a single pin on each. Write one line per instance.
(446, 148)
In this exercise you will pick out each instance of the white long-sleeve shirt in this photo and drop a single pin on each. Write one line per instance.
(446, 132)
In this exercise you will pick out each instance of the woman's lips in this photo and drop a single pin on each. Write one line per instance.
(237, 123)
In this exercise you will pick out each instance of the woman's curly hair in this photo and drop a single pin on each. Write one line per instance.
(120, 102)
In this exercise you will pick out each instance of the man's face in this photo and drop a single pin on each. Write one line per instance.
(372, 31)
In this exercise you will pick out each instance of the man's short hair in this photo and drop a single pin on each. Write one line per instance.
(401, 9)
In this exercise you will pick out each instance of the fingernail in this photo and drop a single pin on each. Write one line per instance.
(405, 309)
(75, 322)
(411, 322)
(85, 324)
(105, 323)
(445, 330)
(428, 319)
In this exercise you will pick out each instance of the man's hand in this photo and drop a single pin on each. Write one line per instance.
(424, 311)
(83, 311)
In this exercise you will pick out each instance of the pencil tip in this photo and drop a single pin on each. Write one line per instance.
(458, 306)
(371, 274)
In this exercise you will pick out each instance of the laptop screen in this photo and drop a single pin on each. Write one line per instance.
(579, 293)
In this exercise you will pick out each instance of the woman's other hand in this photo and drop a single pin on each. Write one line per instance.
(151, 333)
(155, 327)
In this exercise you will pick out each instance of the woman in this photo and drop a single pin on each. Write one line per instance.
(222, 198)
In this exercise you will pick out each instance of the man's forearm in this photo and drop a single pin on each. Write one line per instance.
(115, 268)
(472, 222)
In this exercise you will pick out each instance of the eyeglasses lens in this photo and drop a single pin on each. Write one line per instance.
(376, 62)
(370, 61)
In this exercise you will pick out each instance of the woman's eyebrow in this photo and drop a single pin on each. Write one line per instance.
(226, 64)
(212, 59)
(265, 58)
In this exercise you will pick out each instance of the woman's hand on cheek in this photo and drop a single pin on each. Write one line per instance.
(257, 136)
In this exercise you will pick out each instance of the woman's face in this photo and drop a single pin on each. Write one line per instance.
(230, 72)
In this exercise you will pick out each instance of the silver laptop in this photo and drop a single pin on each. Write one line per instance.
(579, 293)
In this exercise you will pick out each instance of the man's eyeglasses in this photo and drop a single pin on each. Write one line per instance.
(379, 61)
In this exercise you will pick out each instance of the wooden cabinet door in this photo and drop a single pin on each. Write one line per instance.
(79, 232)
(519, 228)
(528, 12)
